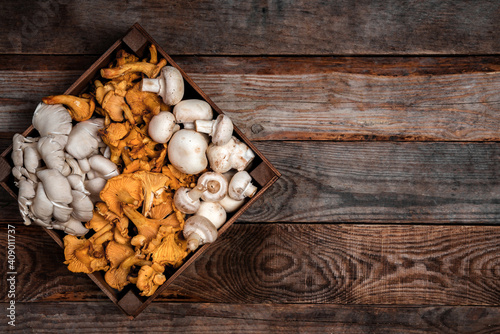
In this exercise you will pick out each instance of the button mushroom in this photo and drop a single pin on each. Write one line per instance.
(215, 186)
(241, 186)
(170, 85)
(186, 151)
(188, 200)
(162, 127)
(220, 129)
(202, 227)
(234, 154)
(187, 112)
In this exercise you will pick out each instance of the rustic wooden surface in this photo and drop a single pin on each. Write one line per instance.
(382, 116)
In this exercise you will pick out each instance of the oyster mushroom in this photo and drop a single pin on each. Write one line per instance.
(186, 112)
(186, 151)
(51, 120)
(170, 85)
(83, 140)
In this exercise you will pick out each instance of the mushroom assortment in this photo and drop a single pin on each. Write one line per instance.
(134, 174)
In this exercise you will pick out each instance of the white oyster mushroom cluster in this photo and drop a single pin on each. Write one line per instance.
(61, 172)
(198, 142)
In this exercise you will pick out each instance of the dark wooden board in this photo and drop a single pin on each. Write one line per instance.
(300, 263)
(373, 182)
(92, 317)
(284, 98)
(343, 27)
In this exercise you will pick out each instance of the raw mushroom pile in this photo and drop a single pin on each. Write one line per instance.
(131, 150)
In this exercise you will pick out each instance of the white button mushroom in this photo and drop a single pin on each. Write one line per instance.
(186, 151)
(170, 85)
(162, 127)
(215, 186)
(220, 129)
(235, 154)
(188, 111)
(241, 186)
(202, 227)
(188, 200)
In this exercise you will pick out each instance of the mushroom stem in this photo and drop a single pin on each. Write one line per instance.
(125, 197)
(193, 241)
(195, 193)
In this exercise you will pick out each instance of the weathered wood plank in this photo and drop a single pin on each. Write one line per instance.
(254, 28)
(92, 317)
(319, 105)
(374, 65)
(301, 263)
(373, 182)
(381, 182)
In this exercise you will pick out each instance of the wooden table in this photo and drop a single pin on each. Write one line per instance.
(382, 116)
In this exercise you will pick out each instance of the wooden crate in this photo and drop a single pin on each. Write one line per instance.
(136, 41)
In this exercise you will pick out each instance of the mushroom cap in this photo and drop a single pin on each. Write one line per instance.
(120, 190)
(82, 206)
(231, 205)
(56, 186)
(188, 111)
(202, 227)
(186, 151)
(161, 127)
(241, 186)
(219, 156)
(170, 85)
(51, 119)
(41, 206)
(221, 129)
(83, 139)
(184, 203)
(103, 166)
(174, 85)
(215, 185)
(213, 212)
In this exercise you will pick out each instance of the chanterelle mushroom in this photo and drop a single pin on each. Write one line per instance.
(120, 190)
(80, 109)
(77, 253)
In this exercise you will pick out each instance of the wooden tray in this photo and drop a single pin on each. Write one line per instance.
(136, 41)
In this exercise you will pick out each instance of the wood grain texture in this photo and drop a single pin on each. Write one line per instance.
(290, 99)
(300, 263)
(373, 182)
(92, 317)
(381, 182)
(253, 27)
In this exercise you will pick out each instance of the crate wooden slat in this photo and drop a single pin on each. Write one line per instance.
(136, 40)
